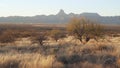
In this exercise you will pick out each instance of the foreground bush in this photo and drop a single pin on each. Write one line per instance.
(85, 29)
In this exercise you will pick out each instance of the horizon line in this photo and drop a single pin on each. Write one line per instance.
(57, 13)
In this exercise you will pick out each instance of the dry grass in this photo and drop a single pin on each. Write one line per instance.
(68, 54)
(26, 61)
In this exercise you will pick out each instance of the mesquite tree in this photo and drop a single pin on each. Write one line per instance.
(84, 29)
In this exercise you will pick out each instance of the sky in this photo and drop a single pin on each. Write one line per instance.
(47, 7)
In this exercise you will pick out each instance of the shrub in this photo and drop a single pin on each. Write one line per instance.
(7, 36)
(56, 34)
(39, 38)
(84, 29)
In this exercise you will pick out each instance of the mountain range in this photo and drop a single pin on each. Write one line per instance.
(60, 17)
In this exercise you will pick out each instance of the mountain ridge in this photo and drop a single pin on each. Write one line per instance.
(60, 17)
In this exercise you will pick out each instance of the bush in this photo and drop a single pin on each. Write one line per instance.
(39, 38)
(84, 29)
(7, 36)
(56, 34)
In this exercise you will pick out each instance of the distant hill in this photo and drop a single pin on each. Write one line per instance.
(61, 17)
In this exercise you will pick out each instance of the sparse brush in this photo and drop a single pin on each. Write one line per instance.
(39, 38)
(60, 54)
(7, 37)
(56, 34)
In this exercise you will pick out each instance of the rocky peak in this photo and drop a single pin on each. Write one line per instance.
(61, 12)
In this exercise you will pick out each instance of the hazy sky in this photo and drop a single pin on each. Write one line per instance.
(38, 7)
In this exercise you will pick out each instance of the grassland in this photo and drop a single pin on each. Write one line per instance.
(67, 52)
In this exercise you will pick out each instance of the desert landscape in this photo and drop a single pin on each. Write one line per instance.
(59, 34)
(20, 47)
